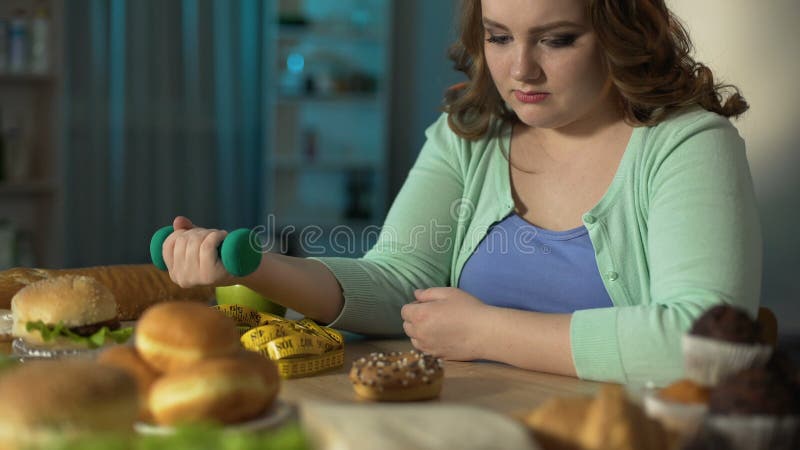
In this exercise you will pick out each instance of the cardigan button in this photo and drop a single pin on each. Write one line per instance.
(590, 219)
(612, 276)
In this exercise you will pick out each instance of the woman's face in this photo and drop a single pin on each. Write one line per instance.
(545, 61)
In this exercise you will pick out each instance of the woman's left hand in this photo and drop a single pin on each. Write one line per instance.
(446, 322)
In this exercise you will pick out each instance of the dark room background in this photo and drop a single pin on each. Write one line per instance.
(117, 115)
(242, 113)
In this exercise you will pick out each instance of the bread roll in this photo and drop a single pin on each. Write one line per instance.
(54, 400)
(126, 357)
(135, 287)
(226, 390)
(172, 335)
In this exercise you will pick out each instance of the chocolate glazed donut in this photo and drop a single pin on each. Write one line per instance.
(397, 376)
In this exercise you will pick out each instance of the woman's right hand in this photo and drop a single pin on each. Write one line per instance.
(191, 255)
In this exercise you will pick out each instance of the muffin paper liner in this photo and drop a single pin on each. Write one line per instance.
(683, 418)
(707, 361)
(757, 432)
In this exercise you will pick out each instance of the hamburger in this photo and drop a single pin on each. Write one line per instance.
(70, 312)
(48, 402)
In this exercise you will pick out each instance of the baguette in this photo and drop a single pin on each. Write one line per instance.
(135, 287)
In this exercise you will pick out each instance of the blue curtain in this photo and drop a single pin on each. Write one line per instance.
(163, 114)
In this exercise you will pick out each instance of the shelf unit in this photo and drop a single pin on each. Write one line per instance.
(29, 188)
(328, 152)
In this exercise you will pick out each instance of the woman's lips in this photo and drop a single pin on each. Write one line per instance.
(531, 97)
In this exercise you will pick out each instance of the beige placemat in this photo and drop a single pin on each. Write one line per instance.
(411, 426)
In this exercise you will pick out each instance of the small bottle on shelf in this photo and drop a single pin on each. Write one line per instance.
(40, 42)
(2, 149)
(310, 145)
(3, 45)
(17, 154)
(359, 189)
(18, 43)
(8, 244)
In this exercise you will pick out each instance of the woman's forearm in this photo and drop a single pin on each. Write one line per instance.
(529, 340)
(304, 285)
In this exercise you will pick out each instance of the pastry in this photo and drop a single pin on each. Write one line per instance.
(173, 335)
(680, 407)
(126, 357)
(721, 342)
(52, 401)
(224, 390)
(555, 422)
(397, 376)
(757, 408)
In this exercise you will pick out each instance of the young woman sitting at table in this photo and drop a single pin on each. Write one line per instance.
(582, 199)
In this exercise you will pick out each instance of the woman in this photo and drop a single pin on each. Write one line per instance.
(596, 154)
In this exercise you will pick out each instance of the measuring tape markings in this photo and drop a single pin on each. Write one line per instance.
(300, 348)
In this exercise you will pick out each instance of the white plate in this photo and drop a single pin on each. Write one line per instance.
(277, 413)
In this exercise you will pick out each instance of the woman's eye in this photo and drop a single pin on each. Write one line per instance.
(492, 39)
(560, 41)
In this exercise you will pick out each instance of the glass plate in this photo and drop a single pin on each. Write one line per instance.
(274, 415)
(25, 351)
(6, 324)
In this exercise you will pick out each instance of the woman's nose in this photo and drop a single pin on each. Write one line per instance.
(525, 66)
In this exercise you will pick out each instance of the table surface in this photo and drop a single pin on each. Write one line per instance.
(498, 387)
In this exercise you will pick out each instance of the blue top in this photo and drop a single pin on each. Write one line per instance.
(519, 265)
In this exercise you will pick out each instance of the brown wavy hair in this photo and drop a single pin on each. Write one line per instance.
(648, 58)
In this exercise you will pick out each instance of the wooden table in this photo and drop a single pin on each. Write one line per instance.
(497, 387)
(327, 405)
(490, 385)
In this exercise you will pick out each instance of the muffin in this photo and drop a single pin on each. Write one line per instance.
(781, 364)
(680, 407)
(757, 408)
(707, 439)
(721, 342)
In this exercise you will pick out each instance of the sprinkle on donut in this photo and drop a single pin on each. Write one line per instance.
(397, 376)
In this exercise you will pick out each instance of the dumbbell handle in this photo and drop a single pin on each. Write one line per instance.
(237, 255)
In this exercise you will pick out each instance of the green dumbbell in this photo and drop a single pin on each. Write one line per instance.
(236, 253)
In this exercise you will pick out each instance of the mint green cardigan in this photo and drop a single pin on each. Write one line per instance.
(676, 231)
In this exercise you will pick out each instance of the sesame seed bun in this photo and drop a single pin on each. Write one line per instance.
(173, 335)
(226, 390)
(74, 300)
(51, 400)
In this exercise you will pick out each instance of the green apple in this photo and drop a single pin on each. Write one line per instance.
(239, 294)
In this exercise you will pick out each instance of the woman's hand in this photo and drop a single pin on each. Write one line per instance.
(446, 322)
(191, 255)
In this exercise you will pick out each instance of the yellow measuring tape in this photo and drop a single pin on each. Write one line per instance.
(299, 348)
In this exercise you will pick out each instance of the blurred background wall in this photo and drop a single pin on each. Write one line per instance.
(754, 45)
(228, 111)
(301, 116)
